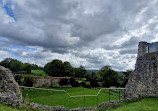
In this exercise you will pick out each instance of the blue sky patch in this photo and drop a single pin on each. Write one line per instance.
(8, 8)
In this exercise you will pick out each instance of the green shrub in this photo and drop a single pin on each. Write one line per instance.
(55, 84)
(25, 80)
(74, 83)
(63, 82)
(28, 80)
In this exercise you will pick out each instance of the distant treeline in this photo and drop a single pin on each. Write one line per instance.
(56, 68)
(17, 66)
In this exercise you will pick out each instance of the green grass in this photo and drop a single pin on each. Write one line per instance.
(8, 108)
(145, 104)
(52, 98)
(39, 73)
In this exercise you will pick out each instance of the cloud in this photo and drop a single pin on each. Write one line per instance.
(92, 32)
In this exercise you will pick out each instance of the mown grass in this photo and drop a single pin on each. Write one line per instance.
(8, 108)
(145, 104)
(53, 98)
(39, 73)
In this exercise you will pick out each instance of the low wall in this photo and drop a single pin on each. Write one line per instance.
(47, 81)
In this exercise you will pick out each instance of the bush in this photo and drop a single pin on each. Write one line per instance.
(85, 84)
(63, 82)
(93, 82)
(55, 84)
(28, 80)
(74, 83)
(25, 80)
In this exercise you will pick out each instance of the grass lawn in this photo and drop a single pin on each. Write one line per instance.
(145, 104)
(39, 72)
(53, 98)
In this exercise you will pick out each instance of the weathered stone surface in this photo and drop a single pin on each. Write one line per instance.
(109, 104)
(58, 108)
(48, 108)
(144, 80)
(9, 89)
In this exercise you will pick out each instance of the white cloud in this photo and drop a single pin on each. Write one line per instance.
(93, 33)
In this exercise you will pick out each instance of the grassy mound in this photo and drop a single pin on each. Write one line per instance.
(145, 104)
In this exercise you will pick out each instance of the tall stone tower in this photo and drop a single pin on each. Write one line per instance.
(144, 80)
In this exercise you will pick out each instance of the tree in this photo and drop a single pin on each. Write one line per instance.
(108, 76)
(67, 69)
(81, 72)
(16, 66)
(47, 68)
(93, 74)
(6, 62)
(27, 67)
(127, 74)
(54, 68)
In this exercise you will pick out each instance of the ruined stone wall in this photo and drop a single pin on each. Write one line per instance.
(144, 80)
(9, 89)
(143, 48)
(47, 81)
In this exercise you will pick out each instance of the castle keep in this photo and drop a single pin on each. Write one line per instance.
(144, 80)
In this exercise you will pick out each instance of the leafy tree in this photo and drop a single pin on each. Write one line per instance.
(75, 72)
(47, 68)
(107, 67)
(67, 69)
(93, 74)
(36, 67)
(6, 62)
(127, 74)
(16, 66)
(108, 76)
(27, 67)
(54, 68)
(80, 72)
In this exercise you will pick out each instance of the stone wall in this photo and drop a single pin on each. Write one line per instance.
(144, 80)
(9, 89)
(145, 48)
(47, 81)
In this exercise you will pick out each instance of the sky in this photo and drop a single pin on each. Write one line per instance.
(92, 33)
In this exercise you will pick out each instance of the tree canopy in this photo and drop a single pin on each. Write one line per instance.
(17, 66)
(108, 76)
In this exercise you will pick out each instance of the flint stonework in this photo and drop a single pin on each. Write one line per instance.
(9, 89)
(144, 80)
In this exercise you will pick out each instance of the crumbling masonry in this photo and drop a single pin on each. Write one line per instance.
(144, 80)
(9, 89)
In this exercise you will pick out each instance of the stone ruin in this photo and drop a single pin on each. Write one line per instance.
(144, 80)
(9, 89)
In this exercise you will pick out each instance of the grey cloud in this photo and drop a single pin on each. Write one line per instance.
(128, 51)
(44, 21)
(73, 28)
(132, 42)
